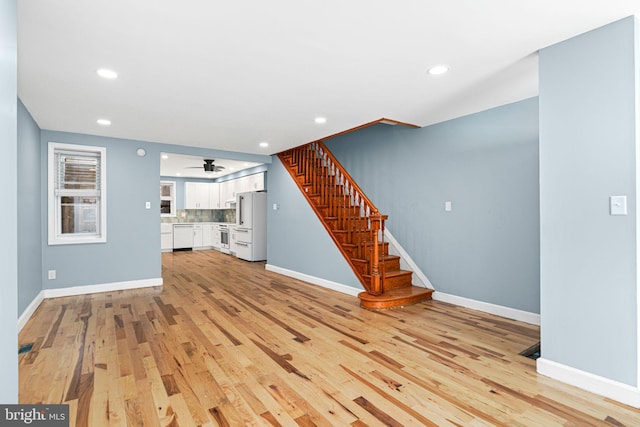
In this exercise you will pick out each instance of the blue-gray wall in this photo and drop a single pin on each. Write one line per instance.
(296, 239)
(486, 164)
(30, 208)
(9, 176)
(588, 152)
(132, 250)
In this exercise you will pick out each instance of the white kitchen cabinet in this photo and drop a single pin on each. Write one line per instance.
(207, 235)
(197, 235)
(216, 237)
(255, 182)
(227, 193)
(166, 237)
(196, 195)
(214, 196)
(242, 185)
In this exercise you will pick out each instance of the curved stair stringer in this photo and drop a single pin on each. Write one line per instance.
(333, 258)
(406, 262)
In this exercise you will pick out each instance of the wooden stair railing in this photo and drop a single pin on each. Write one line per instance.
(354, 223)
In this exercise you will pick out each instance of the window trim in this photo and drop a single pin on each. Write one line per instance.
(174, 186)
(54, 235)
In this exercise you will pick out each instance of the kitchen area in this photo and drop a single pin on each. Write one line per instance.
(209, 204)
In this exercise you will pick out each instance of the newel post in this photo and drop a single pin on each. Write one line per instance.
(377, 224)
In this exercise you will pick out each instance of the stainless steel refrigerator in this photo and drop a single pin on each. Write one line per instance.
(251, 226)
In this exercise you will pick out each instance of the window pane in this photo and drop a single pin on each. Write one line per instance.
(165, 190)
(77, 172)
(165, 206)
(79, 215)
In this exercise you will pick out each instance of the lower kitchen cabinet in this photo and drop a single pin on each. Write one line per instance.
(207, 235)
(197, 236)
(166, 237)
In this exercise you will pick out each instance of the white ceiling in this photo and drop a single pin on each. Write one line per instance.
(231, 74)
(172, 164)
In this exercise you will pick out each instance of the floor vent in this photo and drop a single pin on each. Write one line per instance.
(25, 348)
(532, 352)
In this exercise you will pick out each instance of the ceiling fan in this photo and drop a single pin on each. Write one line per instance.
(208, 165)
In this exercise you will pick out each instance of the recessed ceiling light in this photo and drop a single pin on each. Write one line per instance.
(232, 169)
(178, 174)
(103, 122)
(164, 156)
(436, 70)
(264, 144)
(245, 164)
(320, 120)
(107, 74)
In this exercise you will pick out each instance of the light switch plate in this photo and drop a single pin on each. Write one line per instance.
(447, 206)
(147, 205)
(618, 205)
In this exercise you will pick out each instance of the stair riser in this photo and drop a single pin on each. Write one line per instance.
(363, 266)
(392, 265)
(355, 237)
(395, 282)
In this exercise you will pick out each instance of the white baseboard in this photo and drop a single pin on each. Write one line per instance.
(499, 310)
(28, 312)
(587, 381)
(350, 290)
(105, 287)
(418, 275)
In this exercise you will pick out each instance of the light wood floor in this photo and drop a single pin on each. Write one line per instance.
(225, 342)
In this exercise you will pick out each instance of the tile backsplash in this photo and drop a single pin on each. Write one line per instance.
(202, 215)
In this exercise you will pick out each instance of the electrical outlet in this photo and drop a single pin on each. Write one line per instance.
(52, 274)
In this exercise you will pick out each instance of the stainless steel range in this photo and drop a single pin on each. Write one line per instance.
(223, 229)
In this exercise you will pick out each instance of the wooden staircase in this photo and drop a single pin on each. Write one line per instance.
(354, 224)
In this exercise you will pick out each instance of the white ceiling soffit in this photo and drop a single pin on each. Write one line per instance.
(229, 75)
(178, 165)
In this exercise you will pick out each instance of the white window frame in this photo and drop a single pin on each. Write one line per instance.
(54, 231)
(173, 198)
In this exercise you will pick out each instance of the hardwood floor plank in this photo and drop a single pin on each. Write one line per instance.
(51, 336)
(225, 342)
(377, 412)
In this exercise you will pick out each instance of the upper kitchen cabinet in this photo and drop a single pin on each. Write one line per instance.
(197, 195)
(229, 189)
(253, 182)
(227, 193)
(214, 196)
